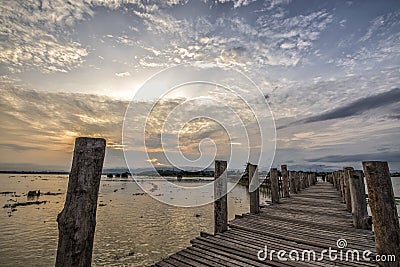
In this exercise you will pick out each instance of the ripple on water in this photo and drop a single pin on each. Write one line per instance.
(131, 230)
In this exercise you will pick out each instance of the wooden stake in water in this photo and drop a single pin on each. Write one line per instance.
(77, 221)
(220, 197)
(383, 209)
(254, 181)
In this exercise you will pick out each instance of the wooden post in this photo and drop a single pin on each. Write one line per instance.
(292, 181)
(303, 180)
(77, 220)
(254, 181)
(347, 172)
(358, 201)
(274, 185)
(341, 181)
(285, 181)
(336, 174)
(297, 182)
(334, 179)
(220, 197)
(383, 209)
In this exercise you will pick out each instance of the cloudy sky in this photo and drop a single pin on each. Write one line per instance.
(330, 71)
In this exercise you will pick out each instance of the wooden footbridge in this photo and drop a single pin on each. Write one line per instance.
(312, 220)
(310, 227)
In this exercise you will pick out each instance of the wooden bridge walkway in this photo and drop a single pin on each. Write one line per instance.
(312, 220)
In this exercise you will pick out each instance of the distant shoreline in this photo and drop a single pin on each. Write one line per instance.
(34, 172)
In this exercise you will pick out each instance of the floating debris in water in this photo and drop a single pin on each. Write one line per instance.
(17, 204)
(7, 193)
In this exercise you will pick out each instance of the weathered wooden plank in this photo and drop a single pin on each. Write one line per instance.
(279, 244)
(212, 257)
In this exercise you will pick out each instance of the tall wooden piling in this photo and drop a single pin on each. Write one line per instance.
(347, 172)
(220, 197)
(274, 185)
(254, 181)
(383, 209)
(334, 179)
(77, 220)
(337, 180)
(341, 179)
(303, 180)
(297, 178)
(314, 178)
(285, 181)
(358, 200)
(292, 181)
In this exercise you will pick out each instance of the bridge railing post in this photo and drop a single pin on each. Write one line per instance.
(341, 178)
(274, 185)
(220, 197)
(298, 182)
(383, 209)
(347, 172)
(254, 181)
(285, 181)
(358, 200)
(292, 182)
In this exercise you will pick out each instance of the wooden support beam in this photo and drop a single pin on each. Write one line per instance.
(285, 181)
(383, 209)
(77, 220)
(347, 172)
(274, 185)
(292, 181)
(358, 200)
(220, 197)
(254, 181)
(298, 187)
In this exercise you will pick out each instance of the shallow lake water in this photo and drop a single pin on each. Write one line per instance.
(132, 228)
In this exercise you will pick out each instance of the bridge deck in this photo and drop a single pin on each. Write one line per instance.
(312, 220)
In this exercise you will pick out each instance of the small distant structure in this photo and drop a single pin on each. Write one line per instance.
(179, 177)
(117, 175)
(125, 174)
(110, 175)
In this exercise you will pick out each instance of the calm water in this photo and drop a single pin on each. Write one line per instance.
(132, 229)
